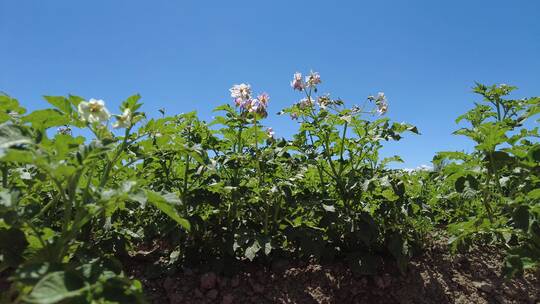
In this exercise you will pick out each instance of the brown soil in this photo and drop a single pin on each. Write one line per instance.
(436, 277)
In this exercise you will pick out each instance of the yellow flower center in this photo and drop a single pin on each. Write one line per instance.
(95, 107)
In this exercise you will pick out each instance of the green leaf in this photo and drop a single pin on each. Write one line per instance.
(60, 102)
(534, 194)
(466, 182)
(43, 119)
(329, 208)
(534, 153)
(390, 195)
(512, 266)
(251, 251)
(164, 205)
(9, 105)
(520, 217)
(267, 247)
(56, 287)
(399, 249)
(12, 245)
(498, 160)
(131, 103)
(13, 135)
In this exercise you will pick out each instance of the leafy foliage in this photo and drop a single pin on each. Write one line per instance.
(72, 207)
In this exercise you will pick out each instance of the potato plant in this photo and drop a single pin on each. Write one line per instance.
(493, 192)
(82, 189)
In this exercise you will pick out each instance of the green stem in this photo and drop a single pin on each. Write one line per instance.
(260, 177)
(485, 201)
(498, 110)
(232, 209)
(319, 169)
(185, 187)
(342, 148)
(112, 162)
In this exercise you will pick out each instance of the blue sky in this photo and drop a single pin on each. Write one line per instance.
(184, 55)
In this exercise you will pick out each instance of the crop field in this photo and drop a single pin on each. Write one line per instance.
(96, 204)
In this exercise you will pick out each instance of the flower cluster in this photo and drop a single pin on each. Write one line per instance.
(94, 111)
(324, 101)
(380, 102)
(241, 93)
(311, 81)
(305, 103)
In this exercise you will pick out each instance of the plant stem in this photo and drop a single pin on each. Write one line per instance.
(112, 162)
(342, 148)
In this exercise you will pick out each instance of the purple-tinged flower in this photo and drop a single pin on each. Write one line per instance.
(258, 106)
(313, 79)
(305, 103)
(264, 99)
(294, 116)
(297, 83)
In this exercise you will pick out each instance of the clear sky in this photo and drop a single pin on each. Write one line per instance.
(184, 55)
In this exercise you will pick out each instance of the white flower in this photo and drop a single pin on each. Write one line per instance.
(382, 108)
(240, 91)
(381, 102)
(93, 111)
(381, 97)
(323, 102)
(124, 120)
(270, 132)
(346, 118)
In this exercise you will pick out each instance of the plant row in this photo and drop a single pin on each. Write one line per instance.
(72, 207)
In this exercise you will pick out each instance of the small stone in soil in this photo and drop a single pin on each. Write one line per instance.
(483, 286)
